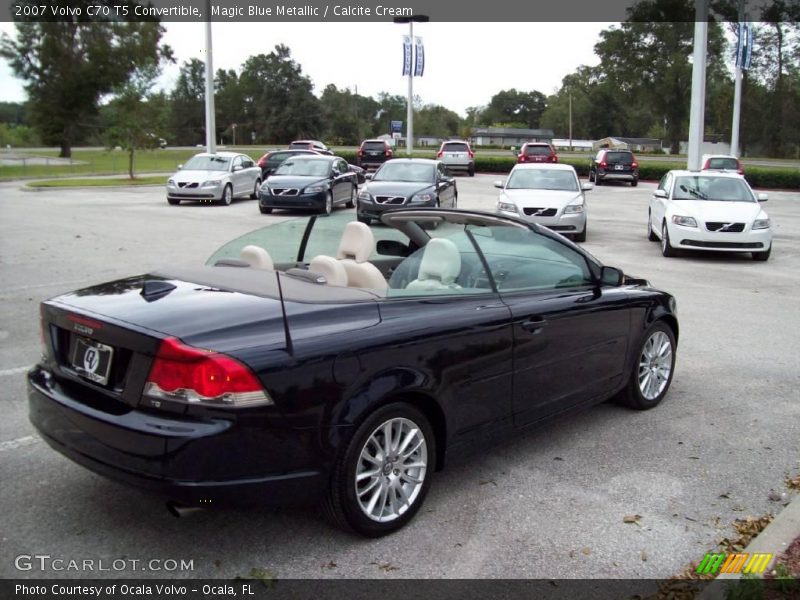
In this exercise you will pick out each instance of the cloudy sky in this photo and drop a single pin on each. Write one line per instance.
(466, 63)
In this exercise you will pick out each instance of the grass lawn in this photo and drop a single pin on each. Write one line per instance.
(97, 182)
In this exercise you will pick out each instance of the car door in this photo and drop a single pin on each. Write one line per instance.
(570, 333)
(658, 206)
(342, 181)
(237, 175)
(446, 187)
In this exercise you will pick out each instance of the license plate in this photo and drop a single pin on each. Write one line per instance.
(619, 167)
(92, 360)
(373, 153)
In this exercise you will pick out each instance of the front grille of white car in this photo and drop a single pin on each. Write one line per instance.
(719, 227)
(540, 212)
(187, 185)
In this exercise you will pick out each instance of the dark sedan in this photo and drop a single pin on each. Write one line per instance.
(417, 182)
(274, 158)
(324, 360)
(310, 182)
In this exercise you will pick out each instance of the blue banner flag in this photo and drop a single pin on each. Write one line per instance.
(419, 65)
(406, 55)
(744, 46)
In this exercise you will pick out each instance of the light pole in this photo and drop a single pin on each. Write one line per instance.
(211, 126)
(698, 102)
(410, 109)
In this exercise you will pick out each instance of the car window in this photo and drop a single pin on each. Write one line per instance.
(303, 167)
(625, 158)
(696, 187)
(247, 162)
(723, 163)
(521, 259)
(455, 147)
(373, 146)
(442, 170)
(278, 157)
(537, 150)
(665, 181)
(405, 171)
(237, 162)
(542, 179)
(207, 163)
(599, 156)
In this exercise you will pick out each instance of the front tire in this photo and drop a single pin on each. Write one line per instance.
(353, 195)
(173, 201)
(580, 237)
(265, 210)
(650, 233)
(254, 195)
(666, 248)
(652, 372)
(227, 195)
(328, 208)
(382, 476)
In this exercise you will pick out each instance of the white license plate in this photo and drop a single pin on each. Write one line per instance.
(619, 167)
(92, 360)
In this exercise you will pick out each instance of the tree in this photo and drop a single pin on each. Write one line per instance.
(69, 65)
(347, 117)
(278, 98)
(514, 107)
(136, 116)
(187, 114)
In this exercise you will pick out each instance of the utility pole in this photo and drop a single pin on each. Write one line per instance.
(737, 89)
(211, 126)
(570, 121)
(698, 103)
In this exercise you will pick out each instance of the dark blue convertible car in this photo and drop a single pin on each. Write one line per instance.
(323, 360)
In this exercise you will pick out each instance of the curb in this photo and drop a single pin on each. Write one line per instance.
(775, 539)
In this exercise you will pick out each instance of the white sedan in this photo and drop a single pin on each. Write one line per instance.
(219, 177)
(705, 210)
(548, 194)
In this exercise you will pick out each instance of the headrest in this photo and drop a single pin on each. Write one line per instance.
(330, 268)
(441, 260)
(358, 242)
(256, 257)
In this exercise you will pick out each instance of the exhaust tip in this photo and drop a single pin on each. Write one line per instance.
(179, 510)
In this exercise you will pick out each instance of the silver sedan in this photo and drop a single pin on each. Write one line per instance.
(219, 177)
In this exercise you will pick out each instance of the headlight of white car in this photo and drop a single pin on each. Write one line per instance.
(171, 182)
(761, 224)
(507, 207)
(685, 221)
(421, 198)
(573, 208)
(314, 189)
(211, 183)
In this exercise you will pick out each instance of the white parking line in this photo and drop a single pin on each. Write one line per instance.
(14, 371)
(18, 443)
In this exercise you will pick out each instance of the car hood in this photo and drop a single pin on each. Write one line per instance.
(294, 181)
(710, 210)
(397, 188)
(198, 176)
(539, 198)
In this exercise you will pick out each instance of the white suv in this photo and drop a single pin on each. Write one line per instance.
(457, 156)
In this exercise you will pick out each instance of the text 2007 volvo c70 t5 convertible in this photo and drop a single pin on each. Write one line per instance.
(345, 363)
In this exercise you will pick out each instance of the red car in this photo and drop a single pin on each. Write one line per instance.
(536, 152)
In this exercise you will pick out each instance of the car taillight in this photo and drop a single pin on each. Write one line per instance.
(634, 165)
(388, 152)
(471, 154)
(521, 157)
(361, 153)
(554, 158)
(439, 154)
(740, 171)
(603, 164)
(182, 373)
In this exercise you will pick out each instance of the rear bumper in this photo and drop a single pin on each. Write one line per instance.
(616, 176)
(196, 462)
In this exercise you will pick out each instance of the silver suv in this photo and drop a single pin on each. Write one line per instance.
(457, 156)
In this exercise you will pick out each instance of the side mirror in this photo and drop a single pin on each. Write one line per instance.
(368, 175)
(391, 248)
(660, 194)
(180, 166)
(587, 186)
(611, 276)
(237, 168)
(498, 184)
(762, 197)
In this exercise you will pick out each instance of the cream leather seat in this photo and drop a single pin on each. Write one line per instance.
(357, 244)
(440, 265)
(257, 257)
(331, 269)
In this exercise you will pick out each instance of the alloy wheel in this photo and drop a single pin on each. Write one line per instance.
(655, 365)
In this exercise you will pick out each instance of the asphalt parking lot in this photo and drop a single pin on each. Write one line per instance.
(549, 504)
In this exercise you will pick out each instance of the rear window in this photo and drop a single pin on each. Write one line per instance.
(373, 146)
(723, 163)
(301, 145)
(624, 158)
(455, 147)
(538, 150)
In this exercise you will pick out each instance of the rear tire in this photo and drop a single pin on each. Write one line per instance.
(634, 183)
(652, 370)
(650, 233)
(374, 492)
(471, 171)
(597, 181)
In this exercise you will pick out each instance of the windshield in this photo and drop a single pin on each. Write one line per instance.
(728, 189)
(405, 171)
(542, 179)
(540, 150)
(313, 167)
(207, 163)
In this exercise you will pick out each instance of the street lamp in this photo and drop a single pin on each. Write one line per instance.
(410, 112)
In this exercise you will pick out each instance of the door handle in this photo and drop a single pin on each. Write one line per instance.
(534, 325)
